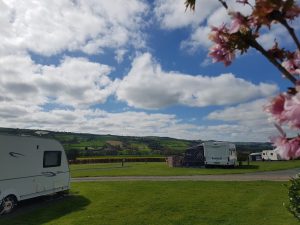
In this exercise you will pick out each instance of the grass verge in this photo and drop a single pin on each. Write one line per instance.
(161, 169)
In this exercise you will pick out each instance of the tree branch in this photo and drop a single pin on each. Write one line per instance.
(291, 31)
(224, 4)
(258, 47)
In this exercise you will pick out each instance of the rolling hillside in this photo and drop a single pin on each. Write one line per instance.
(84, 144)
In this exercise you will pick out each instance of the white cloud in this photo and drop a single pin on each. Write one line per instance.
(120, 53)
(96, 121)
(75, 82)
(50, 27)
(148, 86)
(278, 33)
(198, 39)
(243, 112)
(246, 121)
(172, 14)
(218, 17)
(125, 123)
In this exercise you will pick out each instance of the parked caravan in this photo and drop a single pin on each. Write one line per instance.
(256, 156)
(270, 155)
(219, 154)
(30, 167)
(194, 156)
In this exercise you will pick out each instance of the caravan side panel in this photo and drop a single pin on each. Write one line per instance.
(22, 168)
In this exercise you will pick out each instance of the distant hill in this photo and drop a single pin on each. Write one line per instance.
(85, 144)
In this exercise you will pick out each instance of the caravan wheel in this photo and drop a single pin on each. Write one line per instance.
(8, 204)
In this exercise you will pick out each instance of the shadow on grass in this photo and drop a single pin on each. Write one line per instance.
(44, 209)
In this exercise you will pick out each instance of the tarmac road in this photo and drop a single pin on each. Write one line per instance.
(280, 175)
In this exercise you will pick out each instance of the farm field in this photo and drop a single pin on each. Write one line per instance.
(167, 203)
(161, 169)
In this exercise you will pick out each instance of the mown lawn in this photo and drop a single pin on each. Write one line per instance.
(120, 157)
(164, 203)
(161, 169)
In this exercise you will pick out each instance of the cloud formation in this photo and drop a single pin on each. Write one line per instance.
(245, 121)
(50, 27)
(62, 94)
(172, 14)
(148, 86)
(75, 82)
(126, 123)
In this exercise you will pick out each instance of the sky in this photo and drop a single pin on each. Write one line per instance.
(134, 67)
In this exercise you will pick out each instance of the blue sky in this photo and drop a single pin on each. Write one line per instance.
(132, 67)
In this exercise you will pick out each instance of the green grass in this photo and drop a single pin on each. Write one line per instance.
(121, 157)
(161, 169)
(165, 203)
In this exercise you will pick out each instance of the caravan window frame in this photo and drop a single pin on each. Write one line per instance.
(58, 161)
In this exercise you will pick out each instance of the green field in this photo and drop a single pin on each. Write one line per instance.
(161, 169)
(164, 203)
(120, 157)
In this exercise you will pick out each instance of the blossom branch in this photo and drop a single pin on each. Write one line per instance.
(224, 4)
(291, 31)
(253, 43)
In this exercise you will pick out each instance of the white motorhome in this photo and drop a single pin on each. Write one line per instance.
(30, 167)
(269, 155)
(219, 153)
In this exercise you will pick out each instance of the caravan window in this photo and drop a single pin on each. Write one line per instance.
(52, 159)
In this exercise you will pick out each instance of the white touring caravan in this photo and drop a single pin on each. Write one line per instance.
(269, 155)
(30, 167)
(220, 154)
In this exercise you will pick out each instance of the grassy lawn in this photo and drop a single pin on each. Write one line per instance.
(120, 157)
(164, 203)
(161, 169)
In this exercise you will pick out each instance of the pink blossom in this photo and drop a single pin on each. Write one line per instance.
(218, 34)
(238, 21)
(262, 11)
(276, 108)
(221, 51)
(285, 108)
(221, 54)
(292, 65)
(292, 11)
(291, 111)
(287, 148)
(280, 143)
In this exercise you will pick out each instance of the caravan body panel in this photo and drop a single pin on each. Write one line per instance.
(31, 167)
(270, 155)
(220, 153)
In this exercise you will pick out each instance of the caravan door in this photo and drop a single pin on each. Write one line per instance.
(51, 161)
